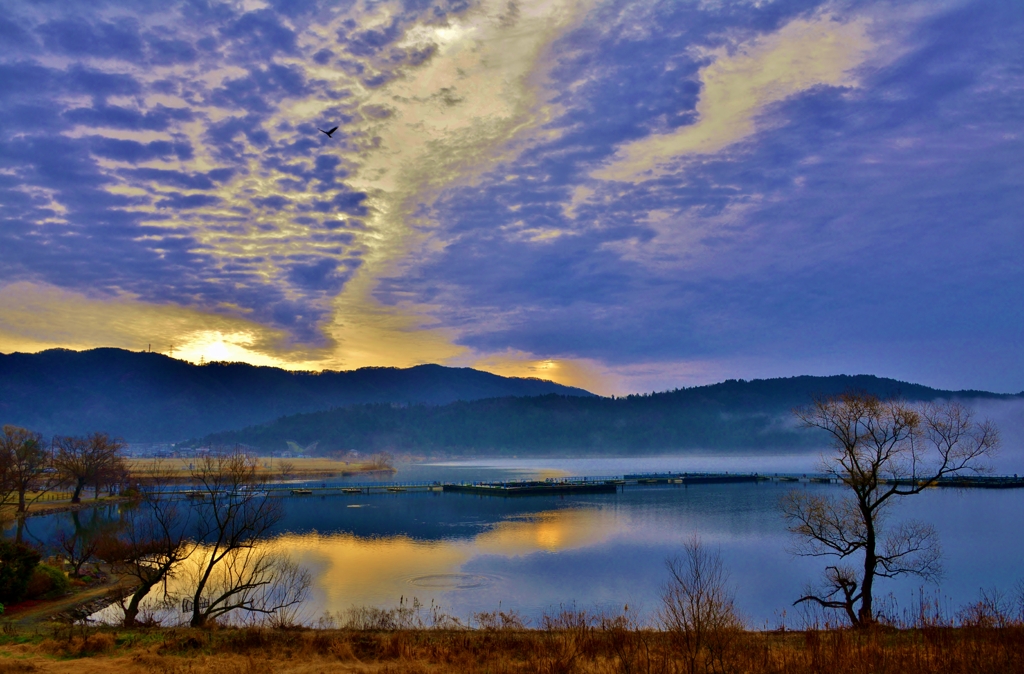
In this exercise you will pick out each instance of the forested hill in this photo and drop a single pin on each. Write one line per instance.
(731, 415)
(149, 397)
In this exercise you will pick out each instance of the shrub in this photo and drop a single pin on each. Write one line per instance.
(96, 643)
(17, 562)
(47, 581)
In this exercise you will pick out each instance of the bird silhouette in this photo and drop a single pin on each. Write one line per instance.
(329, 133)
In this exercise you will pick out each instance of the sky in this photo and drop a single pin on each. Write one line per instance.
(624, 196)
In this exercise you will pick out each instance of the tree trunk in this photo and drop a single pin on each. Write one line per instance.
(131, 611)
(866, 614)
(198, 617)
(77, 496)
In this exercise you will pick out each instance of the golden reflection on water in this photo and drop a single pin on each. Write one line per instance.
(351, 570)
(549, 531)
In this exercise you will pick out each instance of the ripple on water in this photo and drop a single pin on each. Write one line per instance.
(452, 581)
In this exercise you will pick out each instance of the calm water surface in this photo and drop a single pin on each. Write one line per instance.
(471, 554)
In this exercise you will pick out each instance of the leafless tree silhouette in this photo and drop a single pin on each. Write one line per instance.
(882, 451)
(23, 465)
(96, 459)
(698, 607)
(152, 542)
(234, 568)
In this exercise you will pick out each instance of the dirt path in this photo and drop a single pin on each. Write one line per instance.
(90, 599)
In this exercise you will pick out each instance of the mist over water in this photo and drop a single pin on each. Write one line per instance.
(602, 552)
(804, 461)
(1008, 416)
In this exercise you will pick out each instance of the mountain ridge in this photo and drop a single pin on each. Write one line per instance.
(731, 415)
(149, 397)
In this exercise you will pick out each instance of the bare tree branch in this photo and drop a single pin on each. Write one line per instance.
(234, 569)
(150, 547)
(882, 450)
(24, 462)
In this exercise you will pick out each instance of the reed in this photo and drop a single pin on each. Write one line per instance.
(570, 642)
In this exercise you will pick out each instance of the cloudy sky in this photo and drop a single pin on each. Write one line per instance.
(626, 196)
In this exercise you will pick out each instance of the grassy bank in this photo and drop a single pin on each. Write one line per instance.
(267, 469)
(568, 649)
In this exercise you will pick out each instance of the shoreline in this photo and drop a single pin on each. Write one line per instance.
(151, 472)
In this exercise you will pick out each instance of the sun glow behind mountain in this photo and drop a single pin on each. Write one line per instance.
(617, 195)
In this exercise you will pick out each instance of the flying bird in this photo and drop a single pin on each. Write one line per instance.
(329, 133)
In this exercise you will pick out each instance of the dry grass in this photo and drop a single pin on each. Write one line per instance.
(583, 648)
(177, 469)
(37, 499)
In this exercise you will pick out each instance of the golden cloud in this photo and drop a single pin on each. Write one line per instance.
(35, 317)
(431, 126)
(738, 85)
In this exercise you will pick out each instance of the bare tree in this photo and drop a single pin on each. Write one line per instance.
(234, 568)
(698, 607)
(76, 547)
(883, 450)
(24, 461)
(382, 461)
(153, 540)
(96, 459)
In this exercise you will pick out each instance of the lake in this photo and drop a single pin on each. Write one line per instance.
(602, 552)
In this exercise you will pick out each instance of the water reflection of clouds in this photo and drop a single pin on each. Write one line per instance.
(549, 531)
(354, 570)
(605, 551)
(603, 556)
(597, 551)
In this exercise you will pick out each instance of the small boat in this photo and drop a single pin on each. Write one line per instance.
(396, 488)
(351, 490)
(302, 492)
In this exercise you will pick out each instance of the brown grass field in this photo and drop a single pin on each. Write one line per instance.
(557, 651)
(267, 468)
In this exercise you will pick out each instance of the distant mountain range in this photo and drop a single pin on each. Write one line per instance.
(733, 415)
(149, 397)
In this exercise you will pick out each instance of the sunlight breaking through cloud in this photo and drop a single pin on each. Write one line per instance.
(590, 190)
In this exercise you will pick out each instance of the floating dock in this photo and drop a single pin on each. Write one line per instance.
(536, 488)
(974, 482)
(590, 485)
(694, 478)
